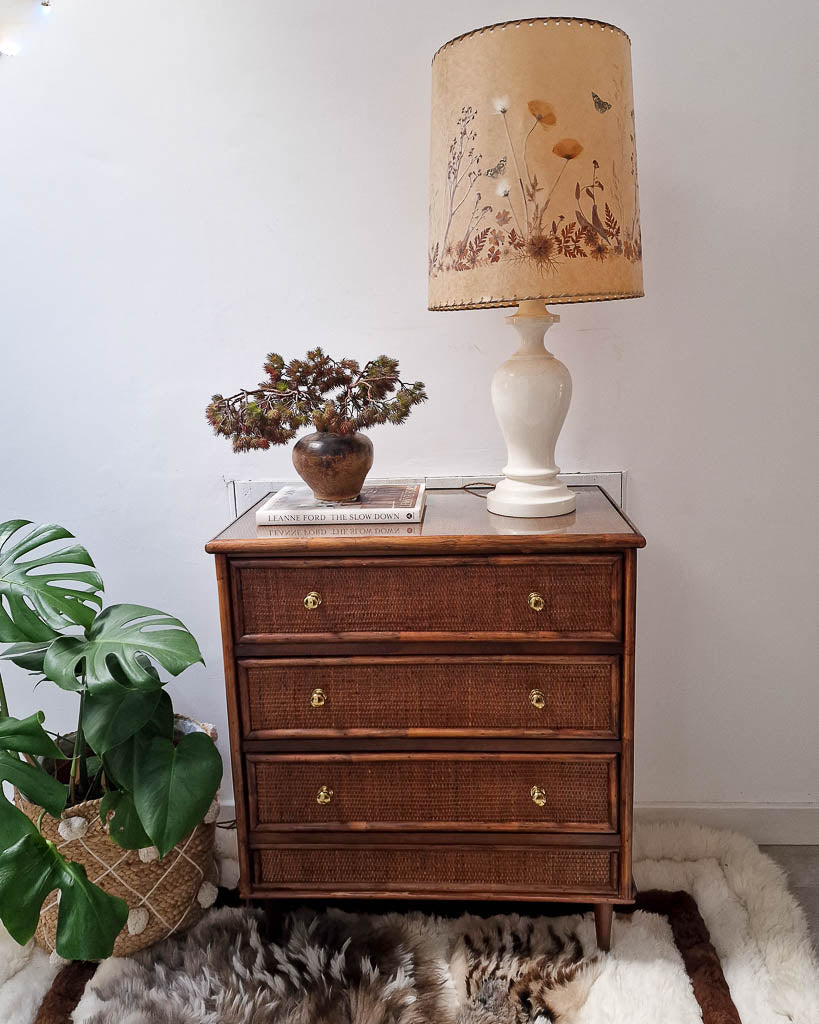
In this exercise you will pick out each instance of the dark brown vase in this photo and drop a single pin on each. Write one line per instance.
(334, 466)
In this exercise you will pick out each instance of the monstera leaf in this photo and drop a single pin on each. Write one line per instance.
(30, 868)
(34, 783)
(29, 656)
(28, 736)
(113, 713)
(175, 786)
(125, 634)
(124, 762)
(124, 826)
(27, 876)
(19, 902)
(37, 601)
(89, 919)
(168, 787)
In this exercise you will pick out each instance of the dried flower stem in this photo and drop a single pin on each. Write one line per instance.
(517, 171)
(551, 193)
(525, 161)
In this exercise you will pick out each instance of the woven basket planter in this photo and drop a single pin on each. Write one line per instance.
(164, 896)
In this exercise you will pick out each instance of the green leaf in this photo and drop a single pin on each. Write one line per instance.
(28, 736)
(37, 602)
(122, 638)
(175, 786)
(28, 873)
(113, 713)
(13, 824)
(123, 762)
(27, 656)
(89, 919)
(124, 826)
(34, 783)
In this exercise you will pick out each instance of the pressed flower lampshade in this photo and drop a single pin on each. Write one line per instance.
(533, 199)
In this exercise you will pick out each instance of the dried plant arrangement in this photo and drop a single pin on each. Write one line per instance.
(333, 396)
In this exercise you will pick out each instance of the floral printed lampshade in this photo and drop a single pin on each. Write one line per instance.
(533, 175)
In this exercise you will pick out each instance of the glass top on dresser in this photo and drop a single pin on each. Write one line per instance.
(453, 517)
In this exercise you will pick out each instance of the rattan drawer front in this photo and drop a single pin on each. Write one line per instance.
(437, 871)
(540, 696)
(551, 792)
(574, 597)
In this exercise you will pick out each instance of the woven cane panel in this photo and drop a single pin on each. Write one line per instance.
(456, 791)
(368, 869)
(579, 697)
(581, 597)
(166, 888)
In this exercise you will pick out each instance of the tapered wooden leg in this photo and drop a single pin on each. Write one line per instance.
(603, 916)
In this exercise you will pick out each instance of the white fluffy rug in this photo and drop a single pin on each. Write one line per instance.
(756, 927)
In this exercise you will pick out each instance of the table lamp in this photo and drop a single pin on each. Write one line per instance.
(533, 199)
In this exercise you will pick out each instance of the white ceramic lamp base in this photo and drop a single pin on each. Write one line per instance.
(531, 392)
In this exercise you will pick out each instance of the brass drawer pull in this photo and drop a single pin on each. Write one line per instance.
(536, 602)
(312, 601)
(537, 698)
(538, 796)
(324, 795)
(318, 698)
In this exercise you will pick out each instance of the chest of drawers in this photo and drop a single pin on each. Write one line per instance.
(434, 711)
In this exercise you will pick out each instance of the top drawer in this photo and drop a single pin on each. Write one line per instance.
(555, 596)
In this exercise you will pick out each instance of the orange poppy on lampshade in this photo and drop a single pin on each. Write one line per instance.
(569, 149)
(542, 112)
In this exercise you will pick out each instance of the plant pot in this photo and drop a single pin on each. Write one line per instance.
(334, 466)
(163, 896)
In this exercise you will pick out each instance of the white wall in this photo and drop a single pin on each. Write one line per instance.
(185, 186)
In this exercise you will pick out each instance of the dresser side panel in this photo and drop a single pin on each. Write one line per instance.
(627, 758)
(234, 720)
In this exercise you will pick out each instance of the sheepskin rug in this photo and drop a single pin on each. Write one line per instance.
(408, 969)
(339, 968)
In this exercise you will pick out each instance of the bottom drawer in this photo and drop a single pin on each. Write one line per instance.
(436, 871)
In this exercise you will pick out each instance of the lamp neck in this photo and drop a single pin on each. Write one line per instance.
(532, 320)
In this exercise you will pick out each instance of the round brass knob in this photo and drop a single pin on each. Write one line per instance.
(538, 795)
(324, 795)
(536, 602)
(537, 698)
(318, 698)
(312, 601)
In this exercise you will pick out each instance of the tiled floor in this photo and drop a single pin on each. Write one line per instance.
(802, 866)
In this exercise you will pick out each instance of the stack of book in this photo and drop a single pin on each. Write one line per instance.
(378, 504)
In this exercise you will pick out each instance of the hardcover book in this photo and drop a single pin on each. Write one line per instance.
(378, 503)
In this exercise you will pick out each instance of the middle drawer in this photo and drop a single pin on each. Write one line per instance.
(545, 792)
(575, 696)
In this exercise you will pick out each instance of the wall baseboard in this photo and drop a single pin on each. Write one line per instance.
(766, 824)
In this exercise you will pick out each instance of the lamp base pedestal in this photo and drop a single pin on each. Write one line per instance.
(530, 501)
(531, 392)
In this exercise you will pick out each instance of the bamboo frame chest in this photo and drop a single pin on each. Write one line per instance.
(437, 711)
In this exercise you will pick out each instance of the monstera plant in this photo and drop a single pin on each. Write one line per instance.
(154, 787)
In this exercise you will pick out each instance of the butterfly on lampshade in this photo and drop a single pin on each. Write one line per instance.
(600, 105)
(497, 170)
